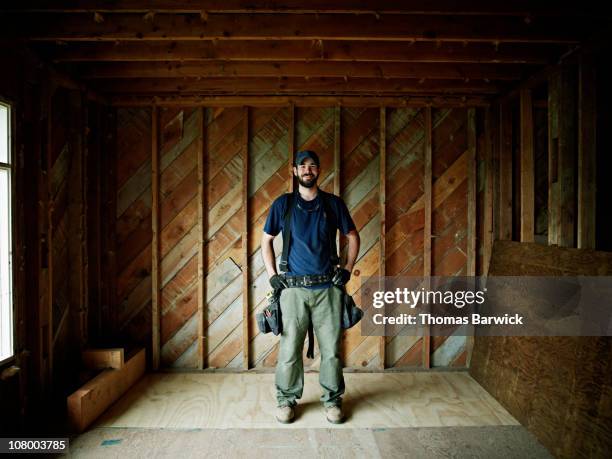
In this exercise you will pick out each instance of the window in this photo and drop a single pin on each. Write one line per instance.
(6, 275)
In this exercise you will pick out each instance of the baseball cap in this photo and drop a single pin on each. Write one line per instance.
(302, 155)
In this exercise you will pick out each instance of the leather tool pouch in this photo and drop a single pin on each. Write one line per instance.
(351, 314)
(273, 323)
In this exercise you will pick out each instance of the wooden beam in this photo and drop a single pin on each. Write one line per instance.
(567, 155)
(76, 212)
(382, 181)
(245, 239)
(296, 69)
(47, 329)
(488, 207)
(304, 50)
(301, 101)
(337, 152)
(521, 8)
(587, 153)
(505, 172)
(201, 243)
(92, 399)
(471, 192)
(427, 201)
(275, 86)
(97, 359)
(553, 158)
(94, 225)
(82, 205)
(527, 172)
(472, 254)
(337, 159)
(291, 145)
(171, 27)
(155, 242)
(112, 147)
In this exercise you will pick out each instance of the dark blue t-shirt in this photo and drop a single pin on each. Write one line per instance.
(309, 251)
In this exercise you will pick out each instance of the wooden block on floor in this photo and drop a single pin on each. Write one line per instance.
(99, 359)
(91, 400)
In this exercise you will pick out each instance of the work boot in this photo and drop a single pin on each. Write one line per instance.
(334, 414)
(285, 414)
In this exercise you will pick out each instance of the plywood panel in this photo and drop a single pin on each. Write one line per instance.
(558, 387)
(175, 401)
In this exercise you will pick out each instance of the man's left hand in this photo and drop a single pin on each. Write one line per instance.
(341, 277)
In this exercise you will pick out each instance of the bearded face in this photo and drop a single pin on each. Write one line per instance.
(307, 173)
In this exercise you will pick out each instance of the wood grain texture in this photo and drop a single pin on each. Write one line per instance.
(558, 387)
(450, 169)
(155, 242)
(427, 199)
(205, 254)
(176, 27)
(245, 240)
(175, 401)
(527, 192)
(587, 152)
(567, 154)
(505, 172)
(382, 183)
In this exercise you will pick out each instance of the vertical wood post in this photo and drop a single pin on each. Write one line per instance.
(201, 243)
(427, 199)
(471, 213)
(245, 240)
(108, 219)
(382, 210)
(567, 154)
(587, 148)
(488, 191)
(76, 212)
(553, 159)
(45, 232)
(505, 172)
(155, 241)
(527, 168)
(337, 155)
(337, 150)
(471, 193)
(291, 146)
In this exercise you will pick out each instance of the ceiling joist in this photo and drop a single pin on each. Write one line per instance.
(304, 50)
(272, 86)
(132, 27)
(291, 48)
(222, 69)
(301, 101)
(525, 8)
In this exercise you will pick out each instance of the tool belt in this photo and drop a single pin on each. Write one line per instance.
(273, 322)
(307, 280)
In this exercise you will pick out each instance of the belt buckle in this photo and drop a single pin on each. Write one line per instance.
(307, 282)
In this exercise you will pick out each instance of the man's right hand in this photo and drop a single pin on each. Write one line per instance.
(278, 282)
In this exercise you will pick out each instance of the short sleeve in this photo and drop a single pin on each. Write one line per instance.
(345, 221)
(274, 222)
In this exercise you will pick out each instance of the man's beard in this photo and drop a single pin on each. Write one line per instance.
(308, 182)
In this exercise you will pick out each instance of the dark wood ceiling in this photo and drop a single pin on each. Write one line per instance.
(187, 48)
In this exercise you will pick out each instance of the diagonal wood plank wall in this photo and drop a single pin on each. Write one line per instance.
(201, 323)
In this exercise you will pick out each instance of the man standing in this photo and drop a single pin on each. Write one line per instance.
(310, 293)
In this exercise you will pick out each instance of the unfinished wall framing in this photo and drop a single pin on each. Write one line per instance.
(203, 319)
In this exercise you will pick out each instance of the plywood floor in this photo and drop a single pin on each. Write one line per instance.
(489, 442)
(247, 401)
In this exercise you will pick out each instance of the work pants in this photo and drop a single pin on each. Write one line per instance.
(300, 306)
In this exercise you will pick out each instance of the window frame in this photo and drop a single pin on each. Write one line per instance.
(11, 167)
